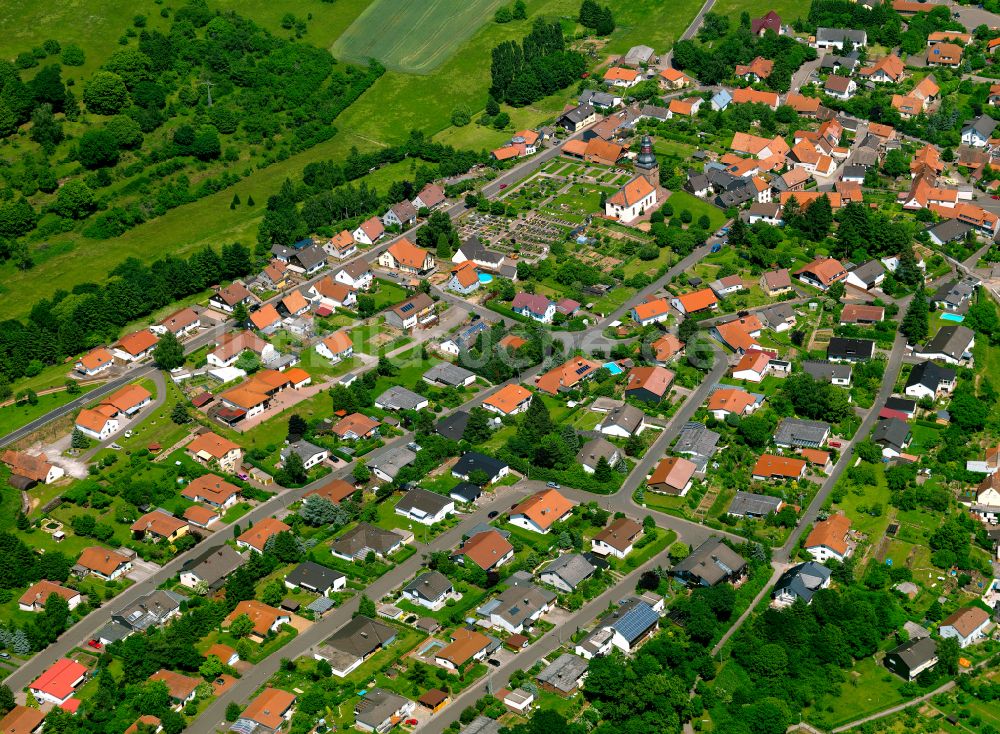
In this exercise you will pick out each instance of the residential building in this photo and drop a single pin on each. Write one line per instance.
(800, 582)
(487, 549)
(430, 589)
(929, 380)
(841, 349)
(697, 443)
(827, 39)
(150, 610)
(830, 538)
(648, 384)
(840, 87)
(386, 465)
(210, 568)
(445, 374)
(822, 273)
(832, 372)
(356, 274)
(534, 306)
(770, 467)
(159, 525)
(399, 398)
(266, 619)
(945, 54)
(912, 658)
(315, 578)
(231, 346)
(95, 362)
(405, 256)
(269, 711)
(893, 435)
(564, 675)
(411, 313)
(26, 470)
(336, 347)
(34, 598)
(540, 511)
(209, 447)
(329, 294)
(567, 572)
(424, 506)
(567, 376)
(886, 70)
(866, 276)
(952, 344)
(363, 539)
(711, 563)
(517, 607)
(673, 475)
(466, 646)
(861, 314)
(336, 490)
(354, 427)
(379, 710)
(623, 421)
(136, 346)
(103, 563)
(257, 536)
(800, 433)
(968, 625)
(618, 538)
(508, 400)
(778, 318)
(24, 720)
(653, 311)
(369, 231)
(695, 302)
(474, 461)
(59, 682)
(228, 298)
(977, 132)
(731, 400)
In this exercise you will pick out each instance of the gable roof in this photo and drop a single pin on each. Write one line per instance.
(159, 523)
(733, 400)
(802, 581)
(212, 487)
(656, 380)
(712, 561)
(620, 533)
(673, 471)
(59, 678)
(22, 464)
(830, 533)
(572, 568)
(96, 358)
(212, 444)
(268, 707)
(508, 397)
(966, 620)
(257, 536)
(698, 300)
(406, 253)
(651, 309)
(138, 342)
(769, 465)
(485, 548)
(101, 560)
(544, 508)
(634, 191)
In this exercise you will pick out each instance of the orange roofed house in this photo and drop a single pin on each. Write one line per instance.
(541, 511)
(672, 476)
(752, 96)
(703, 300)
(603, 152)
(466, 645)
(179, 323)
(254, 396)
(666, 348)
(94, 362)
(757, 70)
(33, 600)
(23, 720)
(181, 688)
(621, 76)
(687, 107)
(822, 273)
(265, 618)
(769, 466)
(731, 400)
(355, 426)
(210, 447)
(508, 400)
(257, 536)
(27, 470)
(336, 347)
(830, 538)
(341, 245)
(270, 710)
(653, 311)
(103, 563)
(212, 490)
(944, 54)
(159, 525)
(407, 257)
(567, 376)
(488, 550)
(887, 70)
(631, 200)
(135, 346)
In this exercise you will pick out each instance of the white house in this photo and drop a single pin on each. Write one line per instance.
(310, 454)
(423, 506)
(336, 347)
(967, 625)
(96, 424)
(631, 200)
(830, 538)
(356, 274)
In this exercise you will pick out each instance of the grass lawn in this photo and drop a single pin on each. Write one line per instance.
(865, 522)
(613, 300)
(789, 10)
(923, 437)
(873, 688)
(681, 200)
(15, 416)
(235, 512)
(388, 294)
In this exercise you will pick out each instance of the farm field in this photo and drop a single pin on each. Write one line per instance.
(414, 38)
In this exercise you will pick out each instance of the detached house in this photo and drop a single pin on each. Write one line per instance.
(411, 313)
(534, 306)
(369, 231)
(711, 563)
(402, 214)
(180, 323)
(508, 400)
(228, 298)
(356, 274)
(159, 525)
(930, 380)
(94, 362)
(136, 346)
(968, 625)
(431, 196)
(688, 303)
(336, 347)
(266, 619)
(618, 538)
(212, 490)
(26, 470)
(952, 344)
(887, 70)
(830, 538)
(654, 311)
(332, 294)
(672, 476)
(822, 273)
(408, 258)
(540, 511)
(978, 132)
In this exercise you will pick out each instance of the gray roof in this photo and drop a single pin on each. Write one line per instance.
(579, 113)
(465, 492)
(356, 268)
(914, 653)
(448, 374)
(148, 610)
(840, 347)
(832, 61)
(564, 673)
(866, 157)
(431, 585)
(952, 341)
(321, 604)
(697, 182)
(474, 249)
(399, 398)
(891, 432)
(711, 562)
(304, 449)
(482, 725)
(779, 313)
(798, 432)
(214, 565)
(858, 38)
(930, 375)
(627, 417)
(802, 581)
(364, 537)
(827, 370)
(749, 503)
(955, 292)
(600, 99)
(764, 209)
(983, 124)
(360, 637)
(634, 619)
(310, 257)
(948, 231)
(639, 55)
(377, 706)
(471, 461)
(423, 501)
(453, 426)
(697, 440)
(404, 210)
(113, 632)
(572, 568)
(392, 460)
(594, 450)
(869, 272)
(313, 575)
(657, 113)
(518, 603)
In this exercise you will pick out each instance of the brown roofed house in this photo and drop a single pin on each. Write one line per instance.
(672, 476)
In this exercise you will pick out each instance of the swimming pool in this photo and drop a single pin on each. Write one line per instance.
(485, 278)
(613, 368)
(432, 645)
(952, 317)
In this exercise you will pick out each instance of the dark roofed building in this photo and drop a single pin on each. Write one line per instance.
(801, 582)
(912, 658)
(313, 577)
(833, 372)
(799, 433)
(453, 426)
(850, 350)
(749, 504)
(474, 461)
(711, 563)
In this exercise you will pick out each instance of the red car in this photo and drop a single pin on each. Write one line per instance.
(95, 644)
(412, 722)
(995, 196)
(503, 186)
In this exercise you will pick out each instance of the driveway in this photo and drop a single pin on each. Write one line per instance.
(142, 570)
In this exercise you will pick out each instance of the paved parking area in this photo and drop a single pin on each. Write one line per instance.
(142, 570)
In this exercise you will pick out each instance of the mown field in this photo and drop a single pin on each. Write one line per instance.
(415, 37)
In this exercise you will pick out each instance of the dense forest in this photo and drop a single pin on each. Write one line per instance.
(540, 65)
(214, 94)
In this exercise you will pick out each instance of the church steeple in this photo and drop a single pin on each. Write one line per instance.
(646, 164)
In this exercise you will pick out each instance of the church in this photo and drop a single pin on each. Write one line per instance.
(639, 195)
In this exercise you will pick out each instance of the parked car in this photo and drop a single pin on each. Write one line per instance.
(493, 513)
(553, 485)
(494, 662)
(95, 644)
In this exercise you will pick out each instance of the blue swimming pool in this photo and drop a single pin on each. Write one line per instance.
(952, 317)
(613, 368)
(485, 278)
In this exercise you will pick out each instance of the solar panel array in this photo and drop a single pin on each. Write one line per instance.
(639, 619)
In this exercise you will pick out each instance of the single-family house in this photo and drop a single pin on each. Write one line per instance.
(430, 589)
(711, 563)
(567, 572)
(405, 256)
(672, 475)
(830, 538)
(424, 506)
(540, 511)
